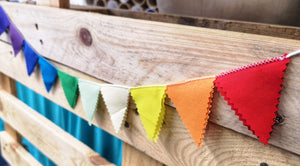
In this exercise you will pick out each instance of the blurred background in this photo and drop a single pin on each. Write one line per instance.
(281, 12)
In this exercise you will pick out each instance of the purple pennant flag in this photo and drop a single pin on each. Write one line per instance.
(16, 38)
(49, 72)
(4, 21)
(31, 57)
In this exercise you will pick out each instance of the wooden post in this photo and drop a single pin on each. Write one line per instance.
(9, 86)
(54, 3)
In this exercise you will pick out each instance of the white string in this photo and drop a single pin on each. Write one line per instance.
(293, 53)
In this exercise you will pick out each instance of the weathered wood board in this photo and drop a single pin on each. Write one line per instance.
(175, 146)
(133, 157)
(58, 145)
(14, 153)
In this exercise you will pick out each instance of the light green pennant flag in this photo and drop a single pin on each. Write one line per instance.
(150, 102)
(89, 92)
(70, 87)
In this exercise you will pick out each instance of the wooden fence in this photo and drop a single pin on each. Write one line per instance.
(132, 52)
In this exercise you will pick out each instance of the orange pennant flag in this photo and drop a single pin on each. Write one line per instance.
(193, 102)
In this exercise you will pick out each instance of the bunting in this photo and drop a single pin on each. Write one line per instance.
(70, 87)
(4, 21)
(31, 57)
(253, 93)
(193, 101)
(89, 92)
(49, 73)
(150, 103)
(116, 100)
(16, 38)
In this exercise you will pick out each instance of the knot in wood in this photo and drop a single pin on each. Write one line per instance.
(85, 37)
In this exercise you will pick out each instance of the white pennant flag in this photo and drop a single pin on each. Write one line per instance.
(89, 92)
(116, 100)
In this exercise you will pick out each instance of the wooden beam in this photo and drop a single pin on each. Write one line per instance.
(175, 146)
(288, 32)
(14, 153)
(114, 49)
(58, 145)
(136, 52)
(54, 3)
(134, 157)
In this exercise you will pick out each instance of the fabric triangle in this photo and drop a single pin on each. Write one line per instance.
(70, 87)
(4, 20)
(116, 100)
(89, 92)
(31, 57)
(16, 38)
(253, 93)
(49, 72)
(150, 102)
(193, 102)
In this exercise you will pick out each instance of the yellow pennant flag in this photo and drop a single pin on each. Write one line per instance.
(150, 102)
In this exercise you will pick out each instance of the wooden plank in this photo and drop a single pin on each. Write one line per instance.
(54, 3)
(288, 32)
(175, 146)
(136, 52)
(134, 157)
(147, 52)
(58, 145)
(14, 153)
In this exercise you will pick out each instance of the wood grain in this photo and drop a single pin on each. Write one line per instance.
(175, 146)
(58, 145)
(134, 157)
(288, 32)
(136, 52)
(14, 153)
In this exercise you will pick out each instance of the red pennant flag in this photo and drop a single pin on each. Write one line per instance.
(193, 101)
(253, 92)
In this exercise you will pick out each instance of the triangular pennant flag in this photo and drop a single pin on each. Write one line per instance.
(116, 100)
(89, 92)
(31, 57)
(16, 38)
(49, 72)
(70, 87)
(253, 92)
(4, 21)
(150, 104)
(193, 102)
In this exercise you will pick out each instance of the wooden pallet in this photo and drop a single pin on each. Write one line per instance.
(134, 52)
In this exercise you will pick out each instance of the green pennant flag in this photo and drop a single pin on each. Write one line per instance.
(70, 87)
(150, 102)
(89, 93)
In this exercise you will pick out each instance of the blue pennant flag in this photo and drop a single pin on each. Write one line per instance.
(4, 21)
(49, 72)
(31, 57)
